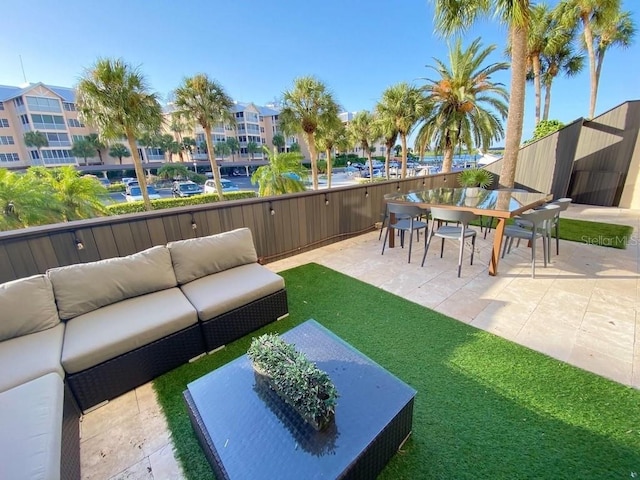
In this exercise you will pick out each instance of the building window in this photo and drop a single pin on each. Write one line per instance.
(58, 139)
(34, 155)
(6, 140)
(199, 138)
(243, 150)
(43, 104)
(239, 114)
(69, 107)
(57, 157)
(4, 123)
(1, 105)
(252, 117)
(18, 101)
(9, 157)
(74, 122)
(24, 119)
(48, 122)
(77, 138)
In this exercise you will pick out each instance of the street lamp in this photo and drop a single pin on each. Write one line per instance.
(195, 167)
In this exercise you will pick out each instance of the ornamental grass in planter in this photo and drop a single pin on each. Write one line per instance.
(296, 380)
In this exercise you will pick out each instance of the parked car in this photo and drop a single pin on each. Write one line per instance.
(377, 172)
(129, 185)
(135, 194)
(227, 186)
(186, 189)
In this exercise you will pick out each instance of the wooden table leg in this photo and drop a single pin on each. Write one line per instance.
(392, 220)
(497, 246)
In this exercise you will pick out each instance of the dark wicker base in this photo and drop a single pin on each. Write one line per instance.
(126, 372)
(70, 454)
(243, 320)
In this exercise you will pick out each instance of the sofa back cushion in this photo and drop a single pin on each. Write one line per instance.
(198, 257)
(27, 306)
(84, 287)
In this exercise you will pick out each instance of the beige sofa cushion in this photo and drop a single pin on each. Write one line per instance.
(31, 356)
(198, 257)
(27, 306)
(85, 287)
(110, 331)
(31, 433)
(216, 294)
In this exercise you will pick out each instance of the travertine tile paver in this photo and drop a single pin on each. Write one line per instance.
(582, 309)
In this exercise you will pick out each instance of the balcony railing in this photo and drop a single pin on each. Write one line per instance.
(282, 226)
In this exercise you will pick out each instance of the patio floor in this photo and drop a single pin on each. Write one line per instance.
(582, 309)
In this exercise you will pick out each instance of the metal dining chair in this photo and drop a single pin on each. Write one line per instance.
(540, 225)
(489, 226)
(563, 203)
(385, 214)
(405, 221)
(459, 232)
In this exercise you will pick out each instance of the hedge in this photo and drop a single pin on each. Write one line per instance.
(162, 203)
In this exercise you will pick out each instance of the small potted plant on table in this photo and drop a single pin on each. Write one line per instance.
(474, 179)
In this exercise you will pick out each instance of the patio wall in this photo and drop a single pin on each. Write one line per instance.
(300, 222)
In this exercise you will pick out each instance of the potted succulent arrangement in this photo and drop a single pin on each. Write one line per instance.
(474, 179)
(296, 380)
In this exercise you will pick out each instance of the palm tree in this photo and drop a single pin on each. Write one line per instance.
(453, 15)
(188, 144)
(223, 149)
(25, 201)
(305, 106)
(94, 139)
(328, 135)
(279, 176)
(83, 148)
(278, 141)
(252, 149)
(37, 140)
(364, 131)
(119, 151)
(203, 100)
(114, 98)
(78, 197)
(402, 105)
(459, 116)
(234, 146)
(556, 60)
(591, 14)
(173, 171)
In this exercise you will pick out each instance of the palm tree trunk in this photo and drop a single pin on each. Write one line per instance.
(100, 156)
(370, 163)
(588, 40)
(447, 157)
(137, 164)
(311, 143)
(329, 168)
(403, 139)
(387, 160)
(212, 160)
(599, 61)
(516, 106)
(547, 101)
(536, 84)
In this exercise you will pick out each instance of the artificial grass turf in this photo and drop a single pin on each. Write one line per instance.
(485, 408)
(593, 233)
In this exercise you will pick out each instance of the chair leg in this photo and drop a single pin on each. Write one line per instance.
(384, 222)
(545, 249)
(410, 243)
(426, 246)
(533, 255)
(442, 248)
(511, 244)
(386, 235)
(460, 253)
(504, 246)
(473, 248)
(557, 227)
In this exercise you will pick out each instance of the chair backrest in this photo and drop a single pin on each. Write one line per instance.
(540, 215)
(563, 203)
(452, 215)
(405, 209)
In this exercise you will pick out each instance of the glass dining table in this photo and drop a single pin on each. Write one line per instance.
(500, 204)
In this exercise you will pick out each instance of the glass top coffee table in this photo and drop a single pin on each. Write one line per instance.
(247, 432)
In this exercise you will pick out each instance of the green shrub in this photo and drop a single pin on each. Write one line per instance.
(116, 187)
(162, 203)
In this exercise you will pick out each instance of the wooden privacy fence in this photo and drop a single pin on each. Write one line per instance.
(282, 226)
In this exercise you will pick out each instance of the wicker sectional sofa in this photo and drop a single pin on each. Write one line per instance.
(82, 334)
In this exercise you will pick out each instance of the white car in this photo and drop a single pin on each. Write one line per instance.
(227, 186)
(135, 195)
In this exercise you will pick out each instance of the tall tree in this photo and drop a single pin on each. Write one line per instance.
(279, 175)
(453, 16)
(364, 131)
(556, 60)
(94, 139)
(83, 148)
(328, 136)
(542, 26)
(402, 105)
(203, 100)
(25, 201)
(467, 105)
(252, 149)
(305, 106)
(188, 145)
(278, 141)
(169, 146)
(234, 147)
(588, 14)
(119, 151)
(114, 98)
(37, 140)
(223, 149)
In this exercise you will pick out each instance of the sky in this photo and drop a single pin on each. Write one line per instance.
(256, 49)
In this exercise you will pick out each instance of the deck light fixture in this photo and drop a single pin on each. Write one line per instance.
(79, 244)
(271, 210)
(326, 199)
